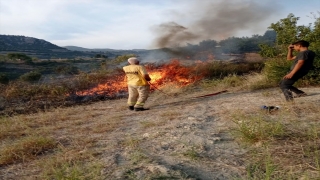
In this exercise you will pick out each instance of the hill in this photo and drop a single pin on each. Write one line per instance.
(45, 50)
(39, 48)
(23, 43)
(77, 48)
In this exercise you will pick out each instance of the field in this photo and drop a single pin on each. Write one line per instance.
(226, 136)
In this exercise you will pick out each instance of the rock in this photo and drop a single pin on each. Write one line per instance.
(158, 168)
(146, 135)
(191, 118)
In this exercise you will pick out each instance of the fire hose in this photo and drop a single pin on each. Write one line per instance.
(216, 93)
(213, 94)
(159, 89)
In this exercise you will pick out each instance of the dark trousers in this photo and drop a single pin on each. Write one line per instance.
(286, 85)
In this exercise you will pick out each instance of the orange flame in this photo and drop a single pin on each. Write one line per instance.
(172, 72)
(155, 76)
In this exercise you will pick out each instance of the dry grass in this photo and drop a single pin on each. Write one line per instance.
(76, 142)
(283, 145)
(253, 81)
(62, 144)
(12, 128)
(71, 162)
(165, 118)
(26, 149)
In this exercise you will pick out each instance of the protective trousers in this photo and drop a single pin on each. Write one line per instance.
(287, 88)
(138, 95)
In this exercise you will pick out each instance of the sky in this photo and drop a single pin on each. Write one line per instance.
(145, 24)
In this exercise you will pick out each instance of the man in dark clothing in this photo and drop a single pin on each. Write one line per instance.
(303, 62)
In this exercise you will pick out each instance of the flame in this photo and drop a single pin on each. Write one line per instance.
(172, 72)
(155, 76)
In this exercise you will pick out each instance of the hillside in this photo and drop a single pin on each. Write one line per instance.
(180, 137)
(39, 48)
(45, 50)
(77, 48)
(23, 43)
(203, 51)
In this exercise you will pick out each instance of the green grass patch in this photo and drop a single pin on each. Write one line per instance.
(255, 128)
(75, 170)
(191, 153)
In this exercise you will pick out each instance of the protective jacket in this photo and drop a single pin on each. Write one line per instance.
(135, 75)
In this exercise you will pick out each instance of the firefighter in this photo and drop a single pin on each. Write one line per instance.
(137, 79)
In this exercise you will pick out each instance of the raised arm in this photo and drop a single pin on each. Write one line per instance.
(290, 55)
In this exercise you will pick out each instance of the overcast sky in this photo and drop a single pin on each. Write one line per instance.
(134, 24)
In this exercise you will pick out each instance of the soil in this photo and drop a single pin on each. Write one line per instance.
(200, 125)
(180, 136)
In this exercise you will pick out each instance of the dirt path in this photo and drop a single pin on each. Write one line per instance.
(179, 137)
(189, 138)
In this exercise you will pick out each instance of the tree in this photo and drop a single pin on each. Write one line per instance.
(20, 56)
(100, 56)
(207, 45)
(287, 32)
(270, 36)
(230, 45)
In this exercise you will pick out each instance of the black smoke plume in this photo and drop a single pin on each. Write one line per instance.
(214, 20)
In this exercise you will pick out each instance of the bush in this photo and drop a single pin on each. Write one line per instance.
(276, 68)
(222, 69)
(28, 61)
(313, 77)
(20, 56)
(4, 79)
(31, 76)
(66, 70)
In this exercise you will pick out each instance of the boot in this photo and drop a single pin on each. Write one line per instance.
(131, 108)
(141, 109)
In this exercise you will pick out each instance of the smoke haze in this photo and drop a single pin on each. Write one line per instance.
(214, 20)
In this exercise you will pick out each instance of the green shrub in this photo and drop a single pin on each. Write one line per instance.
(31, 76)
(28, 61)
(253, 128)
(24, 90)
(222, 69)
(276, 68)
(313, 77)
(20, 56)
(4, 79)
(66, 70)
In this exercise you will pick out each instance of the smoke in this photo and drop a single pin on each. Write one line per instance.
(214, 20)
(172, 34)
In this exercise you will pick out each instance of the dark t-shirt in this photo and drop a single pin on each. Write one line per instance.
(308, 57)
